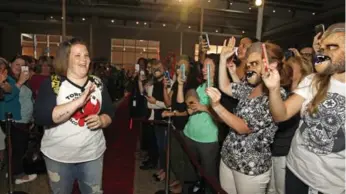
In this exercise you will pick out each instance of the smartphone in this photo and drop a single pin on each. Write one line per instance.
(25, 68)
(137, 67)
(182, 70)
(265, 57)
(168, 77)
(206, 38)
(288, 54)
(208, 76)
(320, 29)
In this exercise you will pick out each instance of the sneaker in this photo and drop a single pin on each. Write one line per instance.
(21, 181)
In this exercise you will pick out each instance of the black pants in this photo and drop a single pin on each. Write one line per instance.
(160, 133)
(295, 185)
(19, 142)
(153, 153)
(206, 154)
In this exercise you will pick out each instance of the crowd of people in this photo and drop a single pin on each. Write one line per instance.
(259, 119)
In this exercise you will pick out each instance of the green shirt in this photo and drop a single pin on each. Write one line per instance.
(201, 126)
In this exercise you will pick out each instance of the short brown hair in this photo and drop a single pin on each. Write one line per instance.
(63, 55)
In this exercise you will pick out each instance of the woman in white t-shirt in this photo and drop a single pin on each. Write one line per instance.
(316, 161)
(74, 108)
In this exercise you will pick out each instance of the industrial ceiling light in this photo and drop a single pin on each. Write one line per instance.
(112, 21)
(216, 31)
(243, 32)
(164, 25)
(51, 17)
(189, 27)
(313, 13)
(145, 23)
(83, 19)
(137, 22)
(258, 3)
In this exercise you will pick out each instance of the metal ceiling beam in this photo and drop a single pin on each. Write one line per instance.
(301, 24)
(310, 6)
(123, 13)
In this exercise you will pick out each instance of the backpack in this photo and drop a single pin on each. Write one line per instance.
(56, 82)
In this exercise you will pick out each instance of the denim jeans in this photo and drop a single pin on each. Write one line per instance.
(62, 176)
(160, 133)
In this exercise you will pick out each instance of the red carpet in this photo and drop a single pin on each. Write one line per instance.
(119, 161)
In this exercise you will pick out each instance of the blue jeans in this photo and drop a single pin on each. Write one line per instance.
(62, 176)
(160, 133)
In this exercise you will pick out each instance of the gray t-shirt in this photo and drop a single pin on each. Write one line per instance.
(317, 154)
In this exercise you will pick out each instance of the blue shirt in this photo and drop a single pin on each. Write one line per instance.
(10, 103)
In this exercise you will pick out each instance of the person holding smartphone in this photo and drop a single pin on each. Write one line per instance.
(316, 161)
(246, 156)
(19, 101)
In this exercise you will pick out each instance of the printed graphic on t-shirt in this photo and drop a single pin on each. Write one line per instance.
(92, 107)
(324, 131)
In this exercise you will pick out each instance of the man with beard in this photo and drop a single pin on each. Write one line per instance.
(245, 156)
(316, 162)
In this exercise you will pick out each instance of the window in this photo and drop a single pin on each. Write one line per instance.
(46, 45)
(212, 49)
(127, 51)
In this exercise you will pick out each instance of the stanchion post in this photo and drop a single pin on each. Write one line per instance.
(9, 121)
(168, 155)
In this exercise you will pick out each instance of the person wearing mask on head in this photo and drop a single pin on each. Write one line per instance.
(296, 68)
(239, 60)
(74, 113)
(245, 156)
(316, 161)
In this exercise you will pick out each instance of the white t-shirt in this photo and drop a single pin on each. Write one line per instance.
(72, 141)
(317, 154)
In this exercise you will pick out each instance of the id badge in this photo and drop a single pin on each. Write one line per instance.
(134, 103)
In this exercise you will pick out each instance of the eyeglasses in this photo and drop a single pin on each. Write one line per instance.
(306, 54)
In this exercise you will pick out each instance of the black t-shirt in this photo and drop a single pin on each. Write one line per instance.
(180, 122)
(283, 137)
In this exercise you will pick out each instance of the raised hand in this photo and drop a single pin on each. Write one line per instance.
(228, 49)
(23, 77)
(271, 78)
(295, 51)
(3, 76)
(203, 45)
(214, 95)
(316, 43)
(85, 96)
(231, 67)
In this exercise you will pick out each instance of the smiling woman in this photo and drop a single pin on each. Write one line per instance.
(78, 108)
